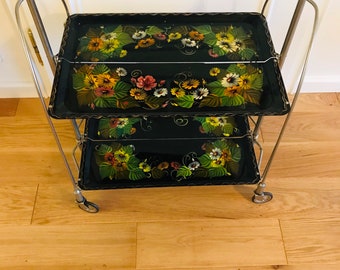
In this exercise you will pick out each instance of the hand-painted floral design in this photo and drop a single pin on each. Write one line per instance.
(115, 128)
(104, 42)
(218, 158)
(218, 126)
(98, 86)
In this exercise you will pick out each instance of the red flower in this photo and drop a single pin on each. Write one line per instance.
(147, 83)
(104, 92)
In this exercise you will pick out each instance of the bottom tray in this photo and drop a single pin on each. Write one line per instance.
(161, 162)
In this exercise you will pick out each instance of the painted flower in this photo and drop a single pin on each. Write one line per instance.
(123, 53)
(187, 42)
(193, 165)
(160, 36)
(163, 165)
(174, 36)
(160, 92)
(118, 122)
(190, 84)
(212, 53)
(121, 155)
(139, 35)
(109, 46)
(226, 45)
(213, 121)
(106, 80)
(138, 94)
(144, 166)
(121, 72)
(232, 91)
(195, 35)
(230, 80)
(109, 36)
(245, 81)
(215, 153)
(178, 92)
(147, 83)
(90, 81)
(200, 93)
(95, 44)
(214, 71)
(104, 92)
(145, 43)
(109, 157)
(176, 165)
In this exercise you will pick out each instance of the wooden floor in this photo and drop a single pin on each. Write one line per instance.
(172, 228)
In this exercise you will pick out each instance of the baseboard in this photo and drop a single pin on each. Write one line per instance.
(18, 90)
(313, 84)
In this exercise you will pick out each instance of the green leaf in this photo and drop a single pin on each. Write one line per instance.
(121, 89)
(106, 170)
(85, 97)
(228, 129)
(203, 29)
(233, 167)
(103, 149)
(78, 80)
(136, 174)
(216, 88)
(157, 173)
(124, 39)
(154, 102)
(247, 53)
(127, 103)
(186, 101)
(100, 69)
(183, 172)
(219, 51)
(236, 100)
(152, 30)
(210, 39)
(105, 102)
(211, 101)
(235, 151)
(252, 96)
(205, 161)
(217, 171)
(207, 127)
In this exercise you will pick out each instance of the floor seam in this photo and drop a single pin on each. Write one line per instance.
(34, 204)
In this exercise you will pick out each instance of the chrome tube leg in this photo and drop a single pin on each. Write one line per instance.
(80, 199)
(260, 196)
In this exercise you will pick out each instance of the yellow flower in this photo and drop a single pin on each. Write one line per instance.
(144, 166)
(90, 81)
(177, 92)
(123, 53)
(245, 82)
(218, 162)
(109, 46)
(213, 121)
(174, 36)
(121, 155)
(190, 84)
(138, 94)
(214, 71)
(106, 80)
(232, 91)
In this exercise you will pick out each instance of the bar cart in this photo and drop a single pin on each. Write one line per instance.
(167, 99)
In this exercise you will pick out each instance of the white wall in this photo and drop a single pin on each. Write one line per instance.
(322, 75)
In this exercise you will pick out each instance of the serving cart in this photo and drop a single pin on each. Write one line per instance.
(159, 100)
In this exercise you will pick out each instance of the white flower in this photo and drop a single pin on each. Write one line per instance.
(160, 92)
(188, 42)
(200, 93)
(109, 36)
(121, 72)
(215, 153)
(193, 165)
(231, 79)
(139, 35)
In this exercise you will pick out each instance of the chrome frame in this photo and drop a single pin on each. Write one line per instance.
(260, 196)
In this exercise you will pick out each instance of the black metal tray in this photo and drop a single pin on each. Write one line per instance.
(125, 65)
(172, 156)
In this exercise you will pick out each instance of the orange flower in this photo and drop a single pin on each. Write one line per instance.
(195, 35)
(144, 43)
(95, 44)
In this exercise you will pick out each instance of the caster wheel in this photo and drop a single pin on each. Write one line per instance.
(89, 207)
(262, 198)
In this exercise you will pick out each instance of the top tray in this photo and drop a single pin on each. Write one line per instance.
(121, 65)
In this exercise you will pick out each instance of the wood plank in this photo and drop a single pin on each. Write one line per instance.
(109, 246)
(205, 243)
(8, 106)
(17, 203)
(312, 240)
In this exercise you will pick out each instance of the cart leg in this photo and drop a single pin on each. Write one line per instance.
(83, 203)
(261, 196)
